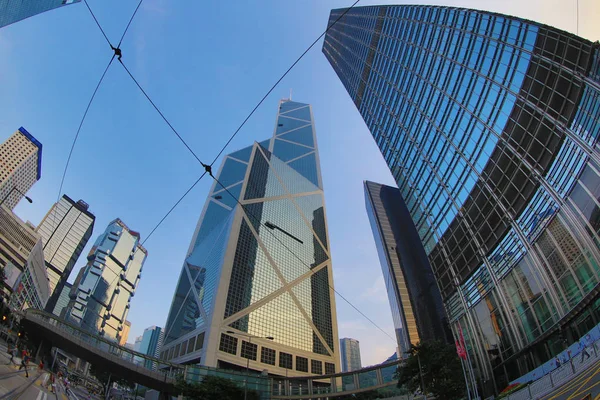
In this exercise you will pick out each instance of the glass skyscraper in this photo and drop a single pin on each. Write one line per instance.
(63, 300)
(350, 354)
(12, 11)
(65, 231)
(150, 344)
(415, 300)
(489, 125)
(257, 285)
(102, 292)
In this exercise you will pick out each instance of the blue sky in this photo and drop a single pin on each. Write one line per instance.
(205, 64)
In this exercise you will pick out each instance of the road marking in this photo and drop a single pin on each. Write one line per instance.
(565, 388)
(42, 396)
(580, 387)
(593, 386)
(583, 384)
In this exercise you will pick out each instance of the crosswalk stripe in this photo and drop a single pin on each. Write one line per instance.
(39, 396)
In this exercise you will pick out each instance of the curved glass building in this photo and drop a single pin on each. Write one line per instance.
(490, 125)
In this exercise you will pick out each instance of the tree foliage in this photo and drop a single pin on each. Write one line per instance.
(103, 376)
(441, 370)
(214, 388)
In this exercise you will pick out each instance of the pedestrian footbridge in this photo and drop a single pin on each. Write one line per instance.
(47, 330)
(331, 386)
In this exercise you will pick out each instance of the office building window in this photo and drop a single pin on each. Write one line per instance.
(285, 360)
(301, 364)
(249, 350)
(228, 344)
(200, 341)
(267, 356)
(190, 346)
(316, 367)
(329, 368)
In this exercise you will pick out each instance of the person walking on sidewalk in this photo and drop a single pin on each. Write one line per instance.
(24, 362)
(583, 348)
(13, 354)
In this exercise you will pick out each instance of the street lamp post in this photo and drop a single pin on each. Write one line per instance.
(248, 358)
(14, 189)
(420, 372)
(421, 375)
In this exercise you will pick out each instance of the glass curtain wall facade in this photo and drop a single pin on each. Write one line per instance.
(151, 344)
(489, 124)
(257, 284)
(63, 300)
(350, 354)
(65, 231)
(101, 294)
(415, 301)
(12, 11)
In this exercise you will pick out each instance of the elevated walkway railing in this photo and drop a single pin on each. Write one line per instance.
(142, 363)
(572, 363)
(334, 385)
(307, 387)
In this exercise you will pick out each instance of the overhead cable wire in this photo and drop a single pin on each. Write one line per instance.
(170, 211)
(81, 123)
(161, 114)
(166, 215)
(299, 259)
(243, 122)
(97, 23)
(97, 86)
(62, 181)
(173, 207)
(129, 23)
(280, 79)
(208, 167)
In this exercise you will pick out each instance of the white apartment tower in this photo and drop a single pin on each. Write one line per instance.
(22, 259)
(20, 166)
(350, 353)
(65, 231)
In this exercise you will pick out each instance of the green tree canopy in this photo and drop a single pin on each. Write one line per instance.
(103, 376)
(441, 370)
